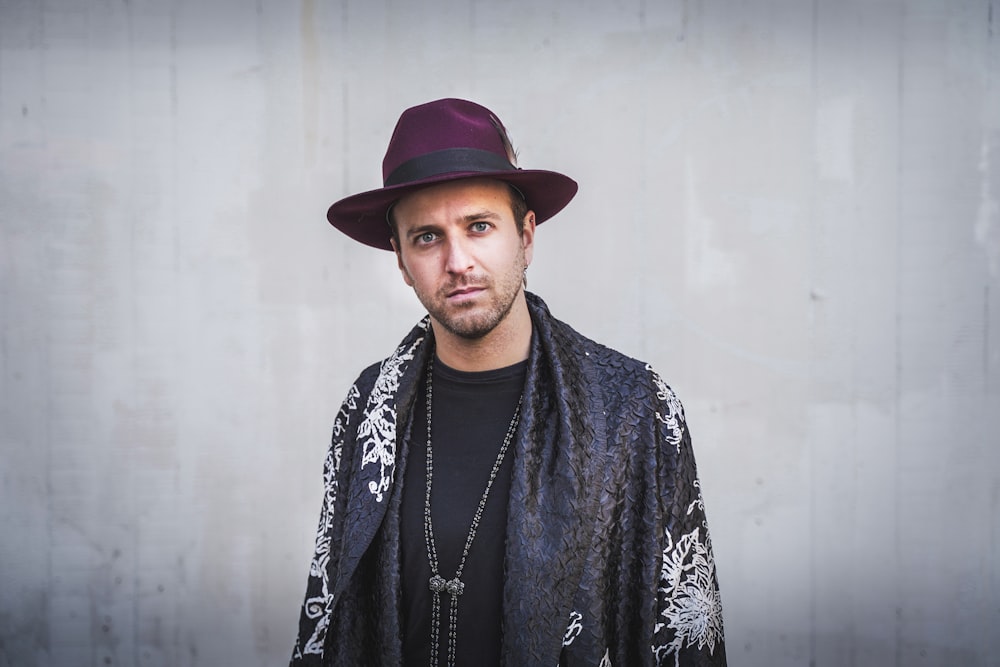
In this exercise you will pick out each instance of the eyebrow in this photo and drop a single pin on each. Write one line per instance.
(479, 215)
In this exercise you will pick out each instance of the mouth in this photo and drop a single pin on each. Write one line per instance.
(464, 293)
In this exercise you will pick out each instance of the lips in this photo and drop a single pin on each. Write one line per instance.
(465, 292)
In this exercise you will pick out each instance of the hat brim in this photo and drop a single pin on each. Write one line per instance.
(363, 216)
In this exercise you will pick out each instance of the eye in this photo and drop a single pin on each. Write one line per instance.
(425, 238)
(480, 226)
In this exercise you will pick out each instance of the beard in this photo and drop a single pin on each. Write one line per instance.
(473, 320)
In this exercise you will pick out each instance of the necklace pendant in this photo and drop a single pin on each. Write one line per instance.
(437, 583)
(455, 587)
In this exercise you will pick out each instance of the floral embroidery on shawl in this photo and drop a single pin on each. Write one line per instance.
(691, 608)
(574, 628)
(377, 434)
(377, 431)
(687, 584)
(674, 416)
(318, 608)
(573, 631)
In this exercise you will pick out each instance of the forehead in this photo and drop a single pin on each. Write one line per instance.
(454, 198)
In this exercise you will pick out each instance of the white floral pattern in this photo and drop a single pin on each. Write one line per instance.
(693, 609)
(674, 416)
(377, 430)
(573, 631)
(377, 434)
(574, 628)
(319, 607)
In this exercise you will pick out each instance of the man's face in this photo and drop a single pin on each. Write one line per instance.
(459, 249)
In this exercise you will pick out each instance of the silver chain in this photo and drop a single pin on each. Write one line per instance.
(454, 587)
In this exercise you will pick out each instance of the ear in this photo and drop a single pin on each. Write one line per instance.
(399, 262)
(528, 236)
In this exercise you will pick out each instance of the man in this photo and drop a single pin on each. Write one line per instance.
(500, 489)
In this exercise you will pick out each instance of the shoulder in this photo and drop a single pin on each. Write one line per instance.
(630, 389)
(383, 378)
(610, 363)
(618, 374)
(632, 384)
(358, 393)
(366, 380)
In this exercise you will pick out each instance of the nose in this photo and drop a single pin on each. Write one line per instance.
(458, 258)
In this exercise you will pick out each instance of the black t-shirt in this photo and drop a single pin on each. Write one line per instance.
(471, 414)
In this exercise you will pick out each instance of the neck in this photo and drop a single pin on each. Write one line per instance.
(508, 343)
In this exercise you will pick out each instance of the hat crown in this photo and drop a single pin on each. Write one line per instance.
(443, 125)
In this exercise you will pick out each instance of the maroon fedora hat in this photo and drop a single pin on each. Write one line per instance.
(440, 141)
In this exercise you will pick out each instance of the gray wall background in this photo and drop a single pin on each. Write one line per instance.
(789, 208)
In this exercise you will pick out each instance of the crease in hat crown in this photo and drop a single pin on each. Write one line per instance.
(440, 141)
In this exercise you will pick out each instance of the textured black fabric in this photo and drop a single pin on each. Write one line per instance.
(608, 559)
(472, 412)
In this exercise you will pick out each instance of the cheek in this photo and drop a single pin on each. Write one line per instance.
(419, 272)
(405, 272)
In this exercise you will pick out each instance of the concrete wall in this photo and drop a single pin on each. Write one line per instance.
(790, 209)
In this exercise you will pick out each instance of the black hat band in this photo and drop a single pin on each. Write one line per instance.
(447, 161)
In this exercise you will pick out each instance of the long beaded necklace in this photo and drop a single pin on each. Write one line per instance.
(454, 587)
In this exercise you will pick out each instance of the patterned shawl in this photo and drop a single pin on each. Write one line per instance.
(608, 558)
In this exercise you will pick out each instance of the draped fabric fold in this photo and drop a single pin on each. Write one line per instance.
(608, 558)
